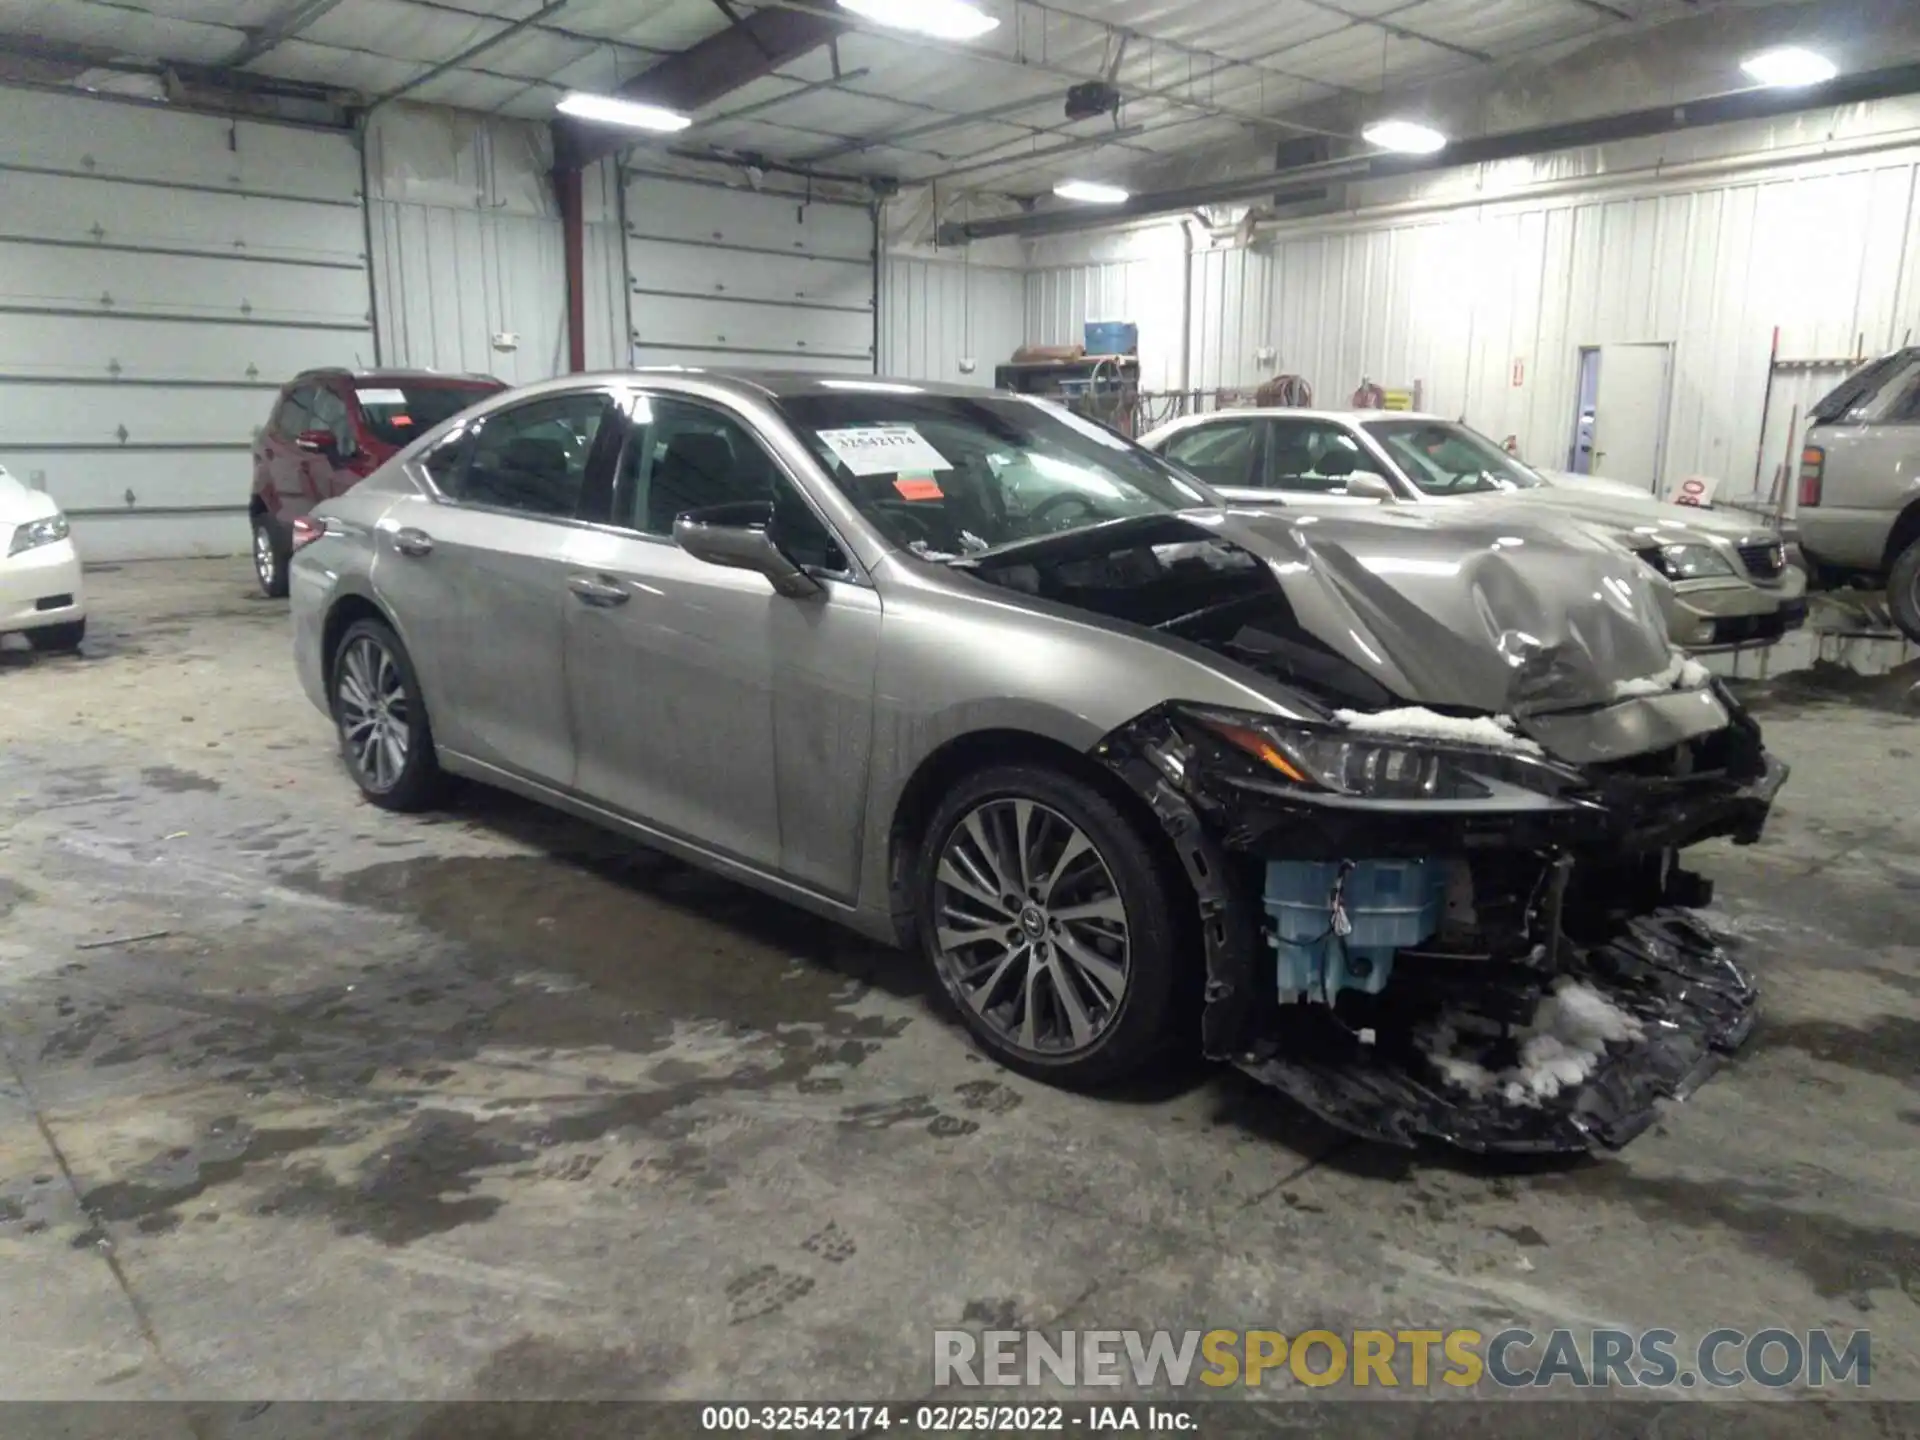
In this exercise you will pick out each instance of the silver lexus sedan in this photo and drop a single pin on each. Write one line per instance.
(1365, 804)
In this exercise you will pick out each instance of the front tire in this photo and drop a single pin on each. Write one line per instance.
(54, 638)
(1050, 924)
(381, 719)
(1903, 592)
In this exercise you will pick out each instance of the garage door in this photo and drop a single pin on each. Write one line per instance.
(735, 277)
(160, 275)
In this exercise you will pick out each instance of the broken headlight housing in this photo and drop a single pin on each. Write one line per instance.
(1337, 762)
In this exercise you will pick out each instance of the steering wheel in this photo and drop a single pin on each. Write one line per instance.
(1057, 502)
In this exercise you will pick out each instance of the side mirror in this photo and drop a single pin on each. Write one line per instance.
(737, 537)
(318, 442)
(1365, 485)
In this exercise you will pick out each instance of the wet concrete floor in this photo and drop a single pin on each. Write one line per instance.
(306, 1100)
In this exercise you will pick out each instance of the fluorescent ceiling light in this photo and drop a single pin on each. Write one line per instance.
(1408, 137)
(873, 387)
(1789, 68)
(630, 113)
(942, 19)
(1088, 193)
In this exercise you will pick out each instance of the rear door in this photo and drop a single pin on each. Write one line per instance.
(288, 468)
(338, 472)
(477, 577)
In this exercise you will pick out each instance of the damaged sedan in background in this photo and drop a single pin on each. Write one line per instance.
(1389, 802)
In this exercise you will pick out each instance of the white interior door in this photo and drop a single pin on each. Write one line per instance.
(1630, 413)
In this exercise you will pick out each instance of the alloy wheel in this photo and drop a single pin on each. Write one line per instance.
(371, 695)
(265, 562)
(1031, 929)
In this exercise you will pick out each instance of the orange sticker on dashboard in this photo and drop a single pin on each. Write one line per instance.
(918, 487)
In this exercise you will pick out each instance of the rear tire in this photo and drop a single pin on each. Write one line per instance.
(381, 718)
(52, 638)
(270, 557)
(1903, 592)
(1084, 909)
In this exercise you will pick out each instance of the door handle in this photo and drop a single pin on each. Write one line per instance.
(603, 594)
(410, 541)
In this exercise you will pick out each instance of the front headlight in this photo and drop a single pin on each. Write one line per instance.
(1365, 766)
(36, 533)
(1687, 562)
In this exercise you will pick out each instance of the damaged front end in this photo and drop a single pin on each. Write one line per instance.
(1439, 874)
(1479, 944)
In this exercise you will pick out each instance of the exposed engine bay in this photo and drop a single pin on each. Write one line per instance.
(1440, 894)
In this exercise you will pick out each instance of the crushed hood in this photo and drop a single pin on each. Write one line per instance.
(1499, 609)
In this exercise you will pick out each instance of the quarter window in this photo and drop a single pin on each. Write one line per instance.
(533, 458)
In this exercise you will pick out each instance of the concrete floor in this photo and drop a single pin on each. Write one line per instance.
(489, 1104)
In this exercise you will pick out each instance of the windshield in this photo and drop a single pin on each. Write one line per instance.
(1447, 459)
(945, 476)
(398, 413)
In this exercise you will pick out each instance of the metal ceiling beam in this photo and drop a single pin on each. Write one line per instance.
(1301, 181)
(473, 51)
(1171, 95)
(751, 49)
(561, 32)
(1400, 32)
(289, 24)
(1085, 142)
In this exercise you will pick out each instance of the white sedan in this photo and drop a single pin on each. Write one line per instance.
(40, 591)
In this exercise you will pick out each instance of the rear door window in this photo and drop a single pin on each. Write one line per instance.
(534, 458)
(330, 414)
(295, 415)
(1313, 457)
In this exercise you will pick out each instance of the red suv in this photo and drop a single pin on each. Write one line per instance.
(329, 430)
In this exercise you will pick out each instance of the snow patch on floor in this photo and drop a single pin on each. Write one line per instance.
(1492, 732)
(1561, 1048)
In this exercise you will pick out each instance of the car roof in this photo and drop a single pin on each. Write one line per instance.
(342, 372)
(1288, 412)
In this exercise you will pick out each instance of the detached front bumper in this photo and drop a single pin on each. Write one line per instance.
(1590, 896)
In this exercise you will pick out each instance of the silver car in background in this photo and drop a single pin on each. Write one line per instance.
(1730, 583)
(969, 673)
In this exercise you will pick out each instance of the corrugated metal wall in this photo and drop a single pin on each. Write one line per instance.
(936, 313)
(1147, 290)
(1489, 307)
(467, 245)
(1704, 241)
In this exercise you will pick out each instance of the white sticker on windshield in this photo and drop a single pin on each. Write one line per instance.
(382, 397)
(884, 450)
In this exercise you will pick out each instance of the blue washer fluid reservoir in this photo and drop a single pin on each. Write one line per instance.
(1334, 924)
